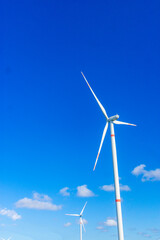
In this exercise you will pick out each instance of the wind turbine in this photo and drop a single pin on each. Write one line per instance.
(112, 120)
(80, 220)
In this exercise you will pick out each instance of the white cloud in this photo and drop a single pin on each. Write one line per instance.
(107, 188)
(152, 175)
(110, 222)
(41, 197)
(124, 188)
(110, 188)
(10, 213)
(83, 191)
(64, 192)
(138, 170)
(100, 227)
(68, 224)
(39, 201)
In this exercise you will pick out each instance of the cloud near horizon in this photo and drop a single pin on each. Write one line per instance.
(110, 222)
(10, 213)
(110, 188)
(100, 227)
(152, 175)
(83, 191)
(68, 224)
(144, 234)
(39, 201)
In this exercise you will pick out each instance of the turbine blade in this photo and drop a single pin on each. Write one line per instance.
(83, 225)
(124, 123)
(102, 108)
(83, 208)
(103, 136)
(74, 215)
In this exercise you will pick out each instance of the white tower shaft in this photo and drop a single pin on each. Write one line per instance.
(116, 184)
(80, 224)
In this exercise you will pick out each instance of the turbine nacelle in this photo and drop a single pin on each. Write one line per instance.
(113, 118)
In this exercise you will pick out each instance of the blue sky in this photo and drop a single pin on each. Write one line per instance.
(51, 126)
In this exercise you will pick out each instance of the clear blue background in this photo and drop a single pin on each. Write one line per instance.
(51, 126)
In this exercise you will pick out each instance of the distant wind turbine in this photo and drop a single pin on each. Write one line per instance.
(81, 223)
(112, 120)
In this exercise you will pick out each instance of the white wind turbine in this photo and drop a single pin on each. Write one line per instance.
(112, 120)
(80, 219)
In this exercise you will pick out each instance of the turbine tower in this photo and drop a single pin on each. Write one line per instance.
(112, 120)
(80, 220)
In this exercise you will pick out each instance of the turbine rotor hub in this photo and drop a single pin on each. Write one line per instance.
(113, 118)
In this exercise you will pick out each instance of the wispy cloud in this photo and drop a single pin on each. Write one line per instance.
(2, 225)
(64, 192)
(144, 234)
(83, 191)
(41, 197)
(110, 188)
(110, 222)
(151, 175)
(6, 238)
(99, 227)
(138, 170)
(102, 228)
(68, 224)
(154, 230)
(124, 188)
(10, 213)
(107, 188)
(39, 201)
